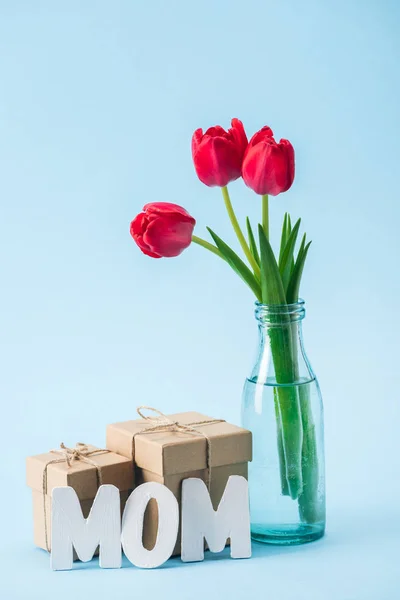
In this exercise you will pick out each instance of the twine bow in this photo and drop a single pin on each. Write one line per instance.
(163, 423)
(82, 453)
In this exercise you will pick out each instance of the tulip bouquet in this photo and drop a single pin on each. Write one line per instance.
(165, 230)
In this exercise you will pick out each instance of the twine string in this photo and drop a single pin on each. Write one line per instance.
(157, 424)
(161, 423)
(82, 453)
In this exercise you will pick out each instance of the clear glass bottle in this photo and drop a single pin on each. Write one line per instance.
(282, 406)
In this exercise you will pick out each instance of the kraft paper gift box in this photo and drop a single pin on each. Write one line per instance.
(85, 470)
(213, 452)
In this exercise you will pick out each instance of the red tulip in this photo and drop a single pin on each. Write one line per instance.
(218, 154)
(268, 167)
(163, 229)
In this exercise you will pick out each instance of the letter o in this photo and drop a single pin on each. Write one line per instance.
(132, 525)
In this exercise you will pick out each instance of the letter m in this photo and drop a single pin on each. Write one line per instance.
(69, 529)
(201, 522)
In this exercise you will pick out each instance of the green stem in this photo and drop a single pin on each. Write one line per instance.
(239, 234)
(281, 450)
(310, 508)
(289, 411)
(265, 215)
(206, 245)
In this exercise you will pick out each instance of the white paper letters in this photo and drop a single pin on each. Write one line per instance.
(201, 522)
(102, 528)
(132, 525)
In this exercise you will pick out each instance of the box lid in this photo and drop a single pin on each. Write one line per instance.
(171, 452)
(80, 475)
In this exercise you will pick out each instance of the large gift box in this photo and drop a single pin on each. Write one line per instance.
(84, 468)
(169, 449)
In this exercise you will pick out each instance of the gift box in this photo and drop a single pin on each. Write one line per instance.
(84, 468)
(169, 449)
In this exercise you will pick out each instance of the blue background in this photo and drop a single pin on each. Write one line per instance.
(98, 102)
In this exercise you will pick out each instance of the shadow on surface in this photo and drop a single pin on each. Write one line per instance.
(344, 530)
(258, 551)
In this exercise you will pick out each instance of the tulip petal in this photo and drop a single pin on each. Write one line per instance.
(167, 208)
(265, 168)
(217, 161)
(217, 131)
(264, 133)
(239, 136)
(137, 228)
(218, 154)
(163, 229)
(169, 235)
(268, 167)
(149, 252)
(288, 150)
(196, 139)
(138, 225)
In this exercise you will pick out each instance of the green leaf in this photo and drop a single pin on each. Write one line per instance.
(302, 245)
(284, 237)
(252, 242)
(271, 283)
(301, 249)
(290, 231)
(237, 264)
(286, 231)
(292, 261)
(289, 226)
(292, 293)
(285, 265)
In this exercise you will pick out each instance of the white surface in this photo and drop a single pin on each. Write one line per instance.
(357, 560)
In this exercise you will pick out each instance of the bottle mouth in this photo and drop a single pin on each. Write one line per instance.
(279, 314)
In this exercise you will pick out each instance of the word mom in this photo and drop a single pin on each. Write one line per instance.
(103, 527)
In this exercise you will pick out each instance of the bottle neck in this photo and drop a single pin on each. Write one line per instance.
(281, 356)
(280, 315)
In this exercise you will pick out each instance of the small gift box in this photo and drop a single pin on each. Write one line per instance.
(84, 468)
(169, 449)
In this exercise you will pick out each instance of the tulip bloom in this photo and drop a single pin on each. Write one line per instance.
(162, 230)
(218, 154)
(268, 167)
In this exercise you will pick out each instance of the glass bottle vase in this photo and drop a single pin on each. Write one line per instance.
(282, 406)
